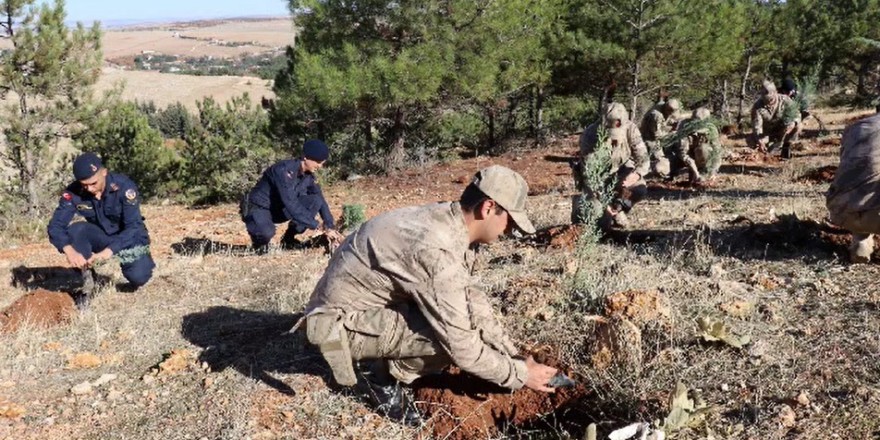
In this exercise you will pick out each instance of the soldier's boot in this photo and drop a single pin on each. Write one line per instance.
(861, 248)
(83, 298)
(260, 249)
(786, 150)
(384, 393)
(289, 240)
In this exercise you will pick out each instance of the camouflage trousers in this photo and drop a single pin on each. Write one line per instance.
(660, 163)
(402, 336)
(858, 222)
(774, 134)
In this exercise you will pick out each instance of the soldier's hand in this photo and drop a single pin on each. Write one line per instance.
(75, 258)
(631, 179)
(334, 236)
(539, 375)
(103, 255)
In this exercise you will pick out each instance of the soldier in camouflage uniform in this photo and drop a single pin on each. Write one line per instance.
(700, 147)
(853, 199)
(629, 163)
(657, 123)
(775, 120)
(397, 298)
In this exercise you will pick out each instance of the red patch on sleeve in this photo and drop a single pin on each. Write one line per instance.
(66, 196)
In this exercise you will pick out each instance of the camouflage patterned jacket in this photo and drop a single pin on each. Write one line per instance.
(655, 125)
(628, 149)
(421, 255)
(764, 115)
(856, 185)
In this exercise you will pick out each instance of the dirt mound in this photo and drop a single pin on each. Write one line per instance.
(564, 236)
(819, 175)
(643, 308)
(754, 156)
(461, 406)
(40, 308)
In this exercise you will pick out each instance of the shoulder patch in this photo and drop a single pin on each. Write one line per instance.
(67, 196)
(130, 194)
(114, 187)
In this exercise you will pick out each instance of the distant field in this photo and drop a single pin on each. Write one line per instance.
(166, 88)
(259, 36)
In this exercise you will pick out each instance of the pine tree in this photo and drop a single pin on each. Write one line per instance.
(47, 76)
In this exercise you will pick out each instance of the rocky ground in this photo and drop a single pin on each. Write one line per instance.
(738, 290)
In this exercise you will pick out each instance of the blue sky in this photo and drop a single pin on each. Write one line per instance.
(155, 10)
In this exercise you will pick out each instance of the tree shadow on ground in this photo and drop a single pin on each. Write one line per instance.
(204, 246)
(786, 238)
(682, 190)
(755, 170)
(54, 278)
(255, 344)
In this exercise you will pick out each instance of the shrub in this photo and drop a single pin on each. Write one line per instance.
(352, 217)
(226, 150)
(127, 144)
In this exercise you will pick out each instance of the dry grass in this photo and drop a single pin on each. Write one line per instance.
(812, 320)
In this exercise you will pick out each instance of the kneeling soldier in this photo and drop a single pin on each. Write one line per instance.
(700, 147)
(398, 300)
(110, 205)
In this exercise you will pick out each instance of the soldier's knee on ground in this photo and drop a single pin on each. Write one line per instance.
(139, 272)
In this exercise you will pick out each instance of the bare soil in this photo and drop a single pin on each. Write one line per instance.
(823, 174)
(37, 309)
(754, 250)
(460, 406)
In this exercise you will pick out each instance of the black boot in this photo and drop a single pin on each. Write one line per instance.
(786, 150)
(387, 396)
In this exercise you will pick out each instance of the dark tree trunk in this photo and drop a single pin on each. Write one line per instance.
(397, 154)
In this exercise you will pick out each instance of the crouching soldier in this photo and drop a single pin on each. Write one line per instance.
(629, 164)
(853, 200)
(110, 205)
(397, 301)
(288, 192)
(775, 121)
(657, 123)
(700, 147)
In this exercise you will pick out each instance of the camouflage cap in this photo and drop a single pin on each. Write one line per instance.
(507, 188)
(616, 112)
(768, 88)
(702, 113)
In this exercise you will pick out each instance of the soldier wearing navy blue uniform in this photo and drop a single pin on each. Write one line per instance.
(287, 191)
(110, 205)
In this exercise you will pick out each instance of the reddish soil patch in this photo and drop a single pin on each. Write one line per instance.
(819, 175)
(755, 156)
(461, 406)
(564, 236)
(40, 308)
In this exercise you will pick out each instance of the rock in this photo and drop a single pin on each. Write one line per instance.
(104, 379)
(81, 389)
(648, 308)
(353, 177)
(716, 271)
(11, 410)
(787, 416)
(738, 308)
(617, 342)
(802, 399)
(83, 360)
(148, 379)
(174, 362)
(732, 288)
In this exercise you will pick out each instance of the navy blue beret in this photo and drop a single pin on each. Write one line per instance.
(316, 150)
(86, 165)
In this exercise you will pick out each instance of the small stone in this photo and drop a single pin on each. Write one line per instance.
(207, 382)
(716, 270)
(787, 416)
(802, 399)
(104, 379)
(114, 395)
(148, 379)
(725, 387)
(81, 389)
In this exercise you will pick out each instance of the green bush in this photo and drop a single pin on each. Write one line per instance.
(127, 144)
(568, 113)
(226, 150)
(352, 217)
